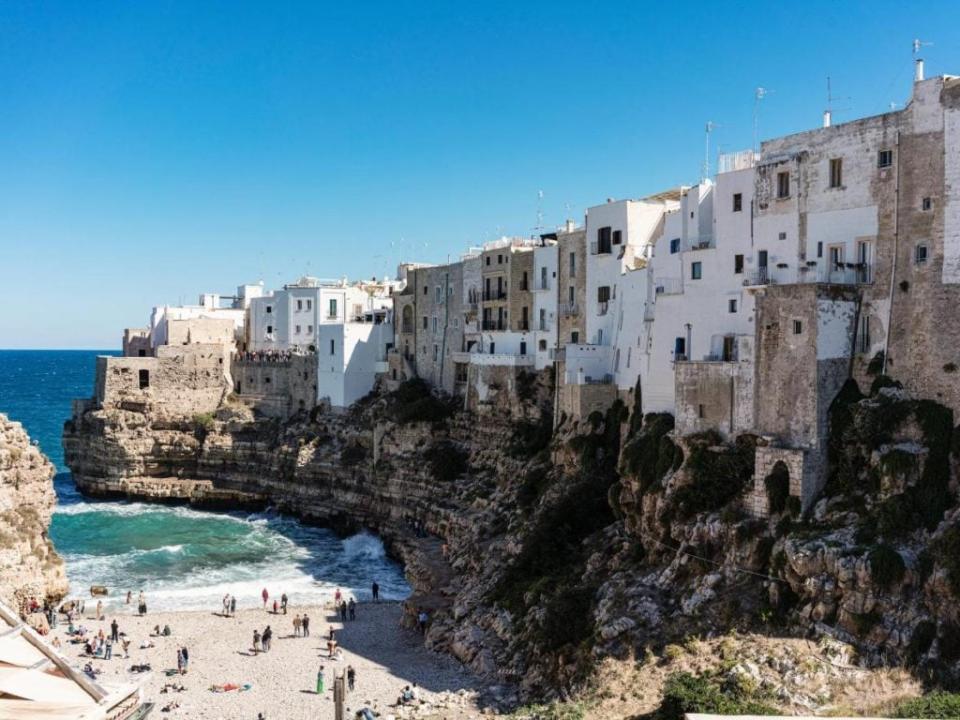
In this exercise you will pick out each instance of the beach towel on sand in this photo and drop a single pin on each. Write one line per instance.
(229, 687)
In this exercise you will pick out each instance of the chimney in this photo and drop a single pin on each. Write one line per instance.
(918, 70)
(827, 117)
(571, 225)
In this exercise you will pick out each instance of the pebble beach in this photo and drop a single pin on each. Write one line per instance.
(385, 656)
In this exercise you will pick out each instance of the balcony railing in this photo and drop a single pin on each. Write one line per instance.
(489, 296)
(758, 277)
(523, 325)
(543, 326)
(569, 309)
(598, 248)
(493, 325)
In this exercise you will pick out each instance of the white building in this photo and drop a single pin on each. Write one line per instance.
(545, 302)
(350, 355)
(290, 319)
(211, 306)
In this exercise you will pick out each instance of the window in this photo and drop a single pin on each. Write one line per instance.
(456, 322)
(488, 259)
(617, 237)
(309, 304)
(921, 254)
(680, 348)
(783, 185)
(737, 264)
(523, 347)
(438, 294)
(782, 236)
(332, 308)
(819, 249)
(333, 347)
(927, 204)
(696, 271)
(603, 240)
(797, 327)
(296, 329)
(573, 264)
(493, 347)
(426, 289)
(575, 337)
(299, 305)
(542, 345)
(309, 329)
(499, 259)
(571, 295)
(435, 324)
(269, 309)
(425, 322)
(436, 352)
(737, 202)
(144, 379)
(700, 412)
(884, 158)
(675, 246)
(836, 172)
(732, 305)
(603, 293)
(269, 329)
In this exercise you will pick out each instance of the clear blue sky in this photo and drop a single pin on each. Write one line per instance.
(150, 151)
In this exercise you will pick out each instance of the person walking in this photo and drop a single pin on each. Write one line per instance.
(179, 661)
(109, 649)
(114, 631)
(351, 677)
(185, 657)
(352, 607)
(129, 596)
(422, 619)
(306, 625)
(276, 606)
(266, 596)
(233, 605)
(297, 624)
(320, 681)
(256, 642)
(266, 638)
(283, 603)
(376, 591)
(343, 611)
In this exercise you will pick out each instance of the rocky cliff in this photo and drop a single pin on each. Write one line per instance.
(29, 566)
(544, 555)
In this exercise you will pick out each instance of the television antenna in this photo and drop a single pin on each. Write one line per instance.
(918, 43)
(708, 129)
(759, 94)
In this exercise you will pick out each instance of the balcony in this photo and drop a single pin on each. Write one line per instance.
(494, 295)
(493, 325)
(542, 285)
(569, 309)
(757, 278)
(523, 325)
(543, 326)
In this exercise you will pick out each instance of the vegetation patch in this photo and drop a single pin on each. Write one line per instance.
(934, 705)
(718, 473)
(413, 401)
(649, 454)
(446, 459)
(531, 437)
(886, 566)
(353, 454)
(707, 693)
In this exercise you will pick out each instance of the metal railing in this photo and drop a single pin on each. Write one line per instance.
(543, 284)
(760, 276)
(493, 325)
(494, 295)
(569, 309)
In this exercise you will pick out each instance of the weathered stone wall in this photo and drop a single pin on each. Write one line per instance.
(567, 243)
(437, 298)
(276, 387)
(519, 293)
(136, 342)
(715, 395)
(576, 402)
(202, 330)
(29, 566)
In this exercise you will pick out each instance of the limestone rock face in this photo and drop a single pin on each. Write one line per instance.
(29, 566)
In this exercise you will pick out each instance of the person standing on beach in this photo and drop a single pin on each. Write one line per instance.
(276, 606)
(306, 625)
(353, 609)
(233, 604)
(179, 661)
(351, 677)
(320, 681)
(109, 649)
(267, 637)
(266, 596)
(185, 656)
(99, 609)
(256, 641)
(129, 596)
(376, 592)
(114, 631)
(336, 597)
(343, 611)
(283, 603)
(296, 625)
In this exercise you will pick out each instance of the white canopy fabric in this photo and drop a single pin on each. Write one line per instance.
(30, 710)
(39, 686)
(17, 651)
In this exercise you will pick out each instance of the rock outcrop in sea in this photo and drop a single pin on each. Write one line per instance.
(29, 565)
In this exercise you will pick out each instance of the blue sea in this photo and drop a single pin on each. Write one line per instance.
(181, 558)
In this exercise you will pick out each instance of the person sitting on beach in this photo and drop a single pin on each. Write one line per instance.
(406, 697)
(56, 642)
(166, 631)
(256, 641)
(365, 714)
(296, 625)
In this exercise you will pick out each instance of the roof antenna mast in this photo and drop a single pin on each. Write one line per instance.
(705, 171)
(758, 95)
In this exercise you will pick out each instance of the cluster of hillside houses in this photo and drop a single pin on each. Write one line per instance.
(739, 304)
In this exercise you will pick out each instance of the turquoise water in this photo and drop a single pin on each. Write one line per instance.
(181, 558)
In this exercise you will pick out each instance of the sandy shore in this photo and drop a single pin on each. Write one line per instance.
(385, 656)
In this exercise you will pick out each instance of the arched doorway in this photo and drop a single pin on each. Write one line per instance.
(778, 488)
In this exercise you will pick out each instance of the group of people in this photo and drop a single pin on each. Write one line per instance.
(183, 659)
(262, 641)
(228, 605)
(301, 625)
(141, 602)
(351, 679)
(346, 609)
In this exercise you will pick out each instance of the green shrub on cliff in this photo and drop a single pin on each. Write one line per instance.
(203, 420)
(934, 705)
(948, 554)
(649, 454)
(413, 401)
(446, 460)
(886, 566)
(687, 693)
(718, 473)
